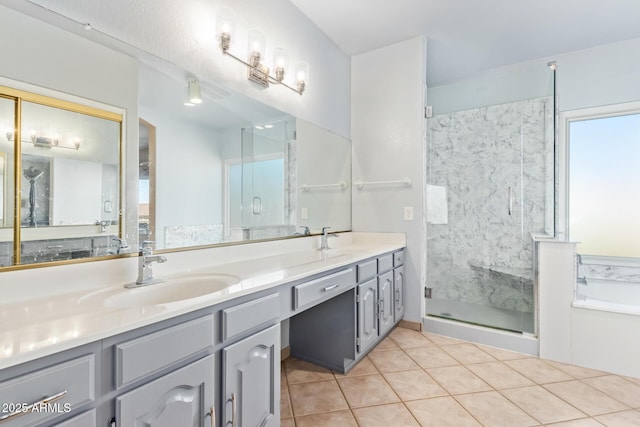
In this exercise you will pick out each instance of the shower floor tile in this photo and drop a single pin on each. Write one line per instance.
(519, 388)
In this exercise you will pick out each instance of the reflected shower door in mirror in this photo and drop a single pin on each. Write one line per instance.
(68, 178)
(226, 170)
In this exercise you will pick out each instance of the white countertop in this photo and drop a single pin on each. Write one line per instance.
(72, 314)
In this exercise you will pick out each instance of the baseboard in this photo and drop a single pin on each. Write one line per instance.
(285, 353)
(416, 326)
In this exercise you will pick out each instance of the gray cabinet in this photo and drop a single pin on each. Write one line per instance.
(398, 291)
(43, 391)
(251, 380)
(182, 398)
(386, 313)
(367, 301)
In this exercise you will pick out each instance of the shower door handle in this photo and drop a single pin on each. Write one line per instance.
(509, 200)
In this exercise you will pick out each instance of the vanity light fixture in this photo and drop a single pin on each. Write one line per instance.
(46, 142)
(256, 70)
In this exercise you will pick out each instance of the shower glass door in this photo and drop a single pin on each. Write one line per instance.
(489, 189)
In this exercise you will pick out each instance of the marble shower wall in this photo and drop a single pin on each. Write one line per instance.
(483, 254)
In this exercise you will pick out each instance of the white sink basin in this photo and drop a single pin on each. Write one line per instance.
(171, 291)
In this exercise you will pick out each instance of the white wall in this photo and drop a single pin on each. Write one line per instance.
(598, 76)
(388, 137)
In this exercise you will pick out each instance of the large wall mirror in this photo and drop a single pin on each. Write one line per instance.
(232, 169)
(63, 160)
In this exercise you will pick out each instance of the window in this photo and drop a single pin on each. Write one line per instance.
(603, 203)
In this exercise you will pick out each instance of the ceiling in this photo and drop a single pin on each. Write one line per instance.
(467, 36)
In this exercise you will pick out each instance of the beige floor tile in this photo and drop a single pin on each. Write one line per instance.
(287, 423)
(431, 357)
(576, 371)
(392, 361)
(633, 380)
(395, 415)
(538, 371)
(363, 367)
(493, 409)
(468, 353)
(414, 385)
(441, 412)
(618, 388)
(502, 354)
(499, 375)
(542, 405)
(621, 419)
(316, 397)
(331, 419)
(441, 339)
(583, 422)
(585, 398)
(283, 377)
(407, 338)
(458, 379)
(285, 403)
(298, 371)
(385, 345)
(367, 390)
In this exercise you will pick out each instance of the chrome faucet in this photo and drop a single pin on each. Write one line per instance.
(145, 272)
(324, 239)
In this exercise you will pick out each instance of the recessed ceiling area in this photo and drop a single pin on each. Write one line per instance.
(467, 36)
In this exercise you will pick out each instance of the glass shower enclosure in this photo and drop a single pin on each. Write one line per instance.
(490, 189)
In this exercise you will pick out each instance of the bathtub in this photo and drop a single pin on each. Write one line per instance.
(611, 295)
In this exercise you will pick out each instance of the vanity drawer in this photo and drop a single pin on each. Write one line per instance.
(385, 263)
(398, 258)
(323, 288)
(367, 270)
(72, 382)
(137, 358)
(243, 317)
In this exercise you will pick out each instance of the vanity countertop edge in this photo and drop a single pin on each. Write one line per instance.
(74, 325)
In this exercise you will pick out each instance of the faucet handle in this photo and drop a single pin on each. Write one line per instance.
(324, 230)
(147, 248)
(307, 231)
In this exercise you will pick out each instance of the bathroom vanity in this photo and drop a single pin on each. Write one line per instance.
(211, 359)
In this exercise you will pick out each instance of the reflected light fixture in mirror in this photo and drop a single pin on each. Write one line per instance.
(194, 93)
(258, 72)
(52, 141)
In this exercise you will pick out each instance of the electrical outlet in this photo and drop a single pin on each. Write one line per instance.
(304, 213)
(408, 213)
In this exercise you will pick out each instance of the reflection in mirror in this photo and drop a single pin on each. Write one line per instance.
(226, 170)
(7, 126)
(68, 180)
(324, 180)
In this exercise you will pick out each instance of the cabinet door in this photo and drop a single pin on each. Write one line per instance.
(251, 388)
(182, 398)
(367, 314)
(385, 289)
(398, 291)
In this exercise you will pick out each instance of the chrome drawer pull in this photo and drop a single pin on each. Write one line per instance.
(26, 409)
(398, 296)
(330, 288)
